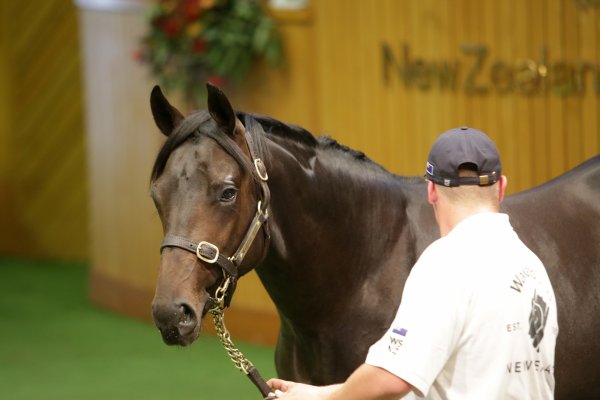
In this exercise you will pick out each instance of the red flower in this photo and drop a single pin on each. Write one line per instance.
(191, 9)
(199, 45)
(217, 80)
(170, 26)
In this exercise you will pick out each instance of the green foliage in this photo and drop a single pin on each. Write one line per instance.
(190, 42)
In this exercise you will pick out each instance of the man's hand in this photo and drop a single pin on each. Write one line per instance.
(299, 391)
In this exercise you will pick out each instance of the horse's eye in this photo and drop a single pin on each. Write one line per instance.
(228, 195)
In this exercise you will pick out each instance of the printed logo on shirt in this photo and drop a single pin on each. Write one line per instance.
(518, 367)
(396, 340)
(537, 319)
(520, 278)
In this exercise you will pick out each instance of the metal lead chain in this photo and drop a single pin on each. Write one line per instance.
(236, 356)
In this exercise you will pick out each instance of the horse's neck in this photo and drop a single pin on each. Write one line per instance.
(335, 224)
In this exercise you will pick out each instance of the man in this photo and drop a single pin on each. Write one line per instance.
(477, 318)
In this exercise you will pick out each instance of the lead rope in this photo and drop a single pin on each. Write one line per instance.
(237, 357)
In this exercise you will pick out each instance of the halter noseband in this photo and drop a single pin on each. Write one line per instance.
(210, 253)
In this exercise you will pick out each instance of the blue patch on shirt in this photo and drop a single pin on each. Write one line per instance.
(401, 331)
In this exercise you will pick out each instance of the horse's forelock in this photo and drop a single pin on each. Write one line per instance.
(181, 134)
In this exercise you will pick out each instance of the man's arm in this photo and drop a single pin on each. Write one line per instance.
(366, 383)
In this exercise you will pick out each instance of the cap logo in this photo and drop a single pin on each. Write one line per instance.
(429, 168)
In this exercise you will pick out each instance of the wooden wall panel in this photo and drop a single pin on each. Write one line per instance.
(5, 104)
(540, 135)
(589, 45)
(43, 186)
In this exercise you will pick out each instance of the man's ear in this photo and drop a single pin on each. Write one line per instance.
(432, 193)
(503, 182)
(166, 116)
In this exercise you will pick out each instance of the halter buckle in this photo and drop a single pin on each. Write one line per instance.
(261, 170)
(212, 249)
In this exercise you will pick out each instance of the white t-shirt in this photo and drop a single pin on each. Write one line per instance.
(477, 318)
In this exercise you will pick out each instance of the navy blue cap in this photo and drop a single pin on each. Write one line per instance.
(463, 146)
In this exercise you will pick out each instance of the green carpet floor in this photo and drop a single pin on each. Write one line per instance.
(55, 345)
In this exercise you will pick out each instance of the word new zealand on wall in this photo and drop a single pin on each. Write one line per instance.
(474, 73)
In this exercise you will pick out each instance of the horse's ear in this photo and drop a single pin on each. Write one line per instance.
(165, 115)
(220, 109)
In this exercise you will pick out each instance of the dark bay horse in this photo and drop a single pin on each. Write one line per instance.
(341, 238)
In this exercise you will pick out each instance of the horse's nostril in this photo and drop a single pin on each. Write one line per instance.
(188, 317)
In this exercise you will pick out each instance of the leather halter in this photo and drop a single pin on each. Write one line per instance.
(210, 253)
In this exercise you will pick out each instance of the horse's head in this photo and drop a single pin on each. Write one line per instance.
(206, 185)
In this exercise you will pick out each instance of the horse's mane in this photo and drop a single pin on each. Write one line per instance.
(281, 129)
(301, 135)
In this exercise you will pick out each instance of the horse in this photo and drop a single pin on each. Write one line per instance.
(341, 237)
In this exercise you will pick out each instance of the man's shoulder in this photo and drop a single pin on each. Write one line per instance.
(440, 260)
(438, 250)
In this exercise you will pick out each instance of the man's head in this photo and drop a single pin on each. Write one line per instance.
(464, 176)
(458, 147)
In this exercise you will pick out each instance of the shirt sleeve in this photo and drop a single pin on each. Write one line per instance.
(426, 328)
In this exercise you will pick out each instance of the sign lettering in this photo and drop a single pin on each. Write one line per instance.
(476, 72)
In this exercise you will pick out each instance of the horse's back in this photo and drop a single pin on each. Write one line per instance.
(561, 216)
(560, 222)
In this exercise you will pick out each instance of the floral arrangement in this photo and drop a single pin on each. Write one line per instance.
(190, 42)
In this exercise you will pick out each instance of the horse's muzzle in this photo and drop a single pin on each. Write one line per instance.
(177, 322)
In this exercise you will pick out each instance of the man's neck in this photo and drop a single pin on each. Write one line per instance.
(451, 216)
